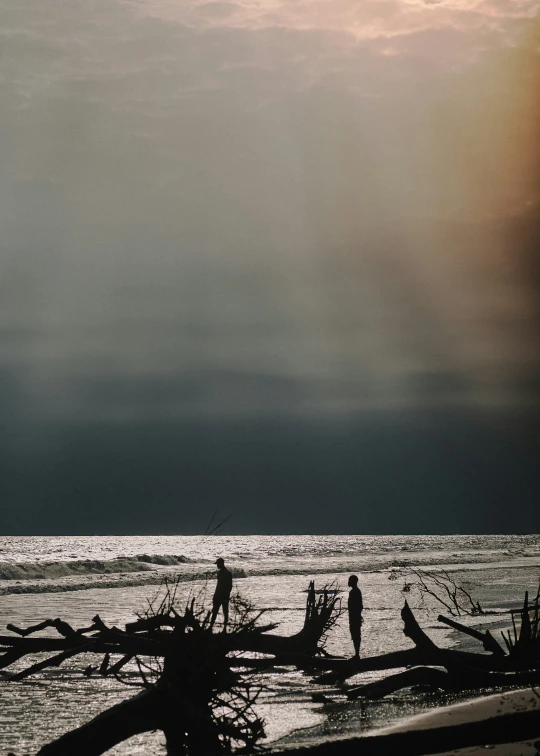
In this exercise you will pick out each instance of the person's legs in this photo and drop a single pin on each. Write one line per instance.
(356, 638)
(225, 606)
(356, 642)
(215, 610)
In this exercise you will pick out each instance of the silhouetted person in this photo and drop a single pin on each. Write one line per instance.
(222, 593)
(355, 606)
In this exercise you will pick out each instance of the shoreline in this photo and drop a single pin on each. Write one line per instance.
(295, 721)
(429, 711)
(495, 721)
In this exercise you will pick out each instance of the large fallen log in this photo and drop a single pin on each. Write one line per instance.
(464, 678)
(152, 636)
(200, 695)
(486, 638)
(196, 667)
(116, 724)
(424, 653)
(425, 676)
(445, 669)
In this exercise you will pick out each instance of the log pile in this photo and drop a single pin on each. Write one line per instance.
(515, 664)
(196, 686)
(199, 688)
(448, 669)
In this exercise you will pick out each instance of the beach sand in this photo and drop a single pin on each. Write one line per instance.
(488, 712)
(475, 711)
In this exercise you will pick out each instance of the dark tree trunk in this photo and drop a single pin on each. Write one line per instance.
(138, 714)
(435, 678)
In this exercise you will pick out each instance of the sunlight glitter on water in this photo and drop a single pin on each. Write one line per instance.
(64, 698)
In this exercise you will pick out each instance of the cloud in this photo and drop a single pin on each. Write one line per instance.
(366, 20)
(269, 248)
(297, 195)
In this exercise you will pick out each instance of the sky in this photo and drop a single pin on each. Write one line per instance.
(276, 257)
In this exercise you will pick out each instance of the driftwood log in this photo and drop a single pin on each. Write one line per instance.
(445, 669)
(197, 686)
(450, 669)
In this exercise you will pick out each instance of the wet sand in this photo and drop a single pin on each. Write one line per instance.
(482, 709)
(440, 726)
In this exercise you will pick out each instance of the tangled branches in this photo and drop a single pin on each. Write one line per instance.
(441, 586)
(526, 642)
(198, 687)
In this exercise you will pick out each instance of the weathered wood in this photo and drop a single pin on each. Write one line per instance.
(278, 645)
(104, 666)
(525, 630)
(132, 717)
(427, 653)
(431, 656)
(153, 623)
(134, 645)
(296, 649)
(343, 670)
(423, 653)
(458, 679)
(115, 668)
(64, 628)
(435, 678)
(23, 632)
(488, 641)
(196, 670)
(51, 661)
(99, 624)
(197, 667)
(413, 630)
(300, 661)
(10, 657)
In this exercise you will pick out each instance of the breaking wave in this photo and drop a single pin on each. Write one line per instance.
(61, 569)
(72, 574)
(90, 581)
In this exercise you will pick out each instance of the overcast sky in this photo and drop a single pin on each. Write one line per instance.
(265, 255)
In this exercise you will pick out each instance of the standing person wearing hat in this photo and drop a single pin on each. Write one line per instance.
(355, 607)
(221, 594)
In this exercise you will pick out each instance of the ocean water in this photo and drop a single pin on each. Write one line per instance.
(77, 577)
